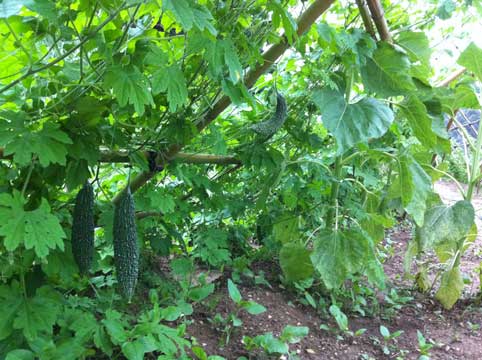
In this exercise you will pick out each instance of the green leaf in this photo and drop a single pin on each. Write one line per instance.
(37, 229)
(162, 201)
(413, 186)
(451, 288)
(387, 73)
(9, 8)
(463, 96)
(471, 58)
(384, 332)
(445, 9)
(20, 354)
(171, 80)
(271, 344)
(447, 224)
(201, 292)
(294, 334)
(232, 61)
(416, 44)
(10, 302)
(129, 86)
(253, 307)
(190, 14)
(38, 314)
(282, 16)
(133, 350)
(234, 293)
(416, 114)
(340, 317)
(338, 254)
(355, 123)
(422, 186)
(48, 144)
(295, 262)
(115, 327)
(286, 229)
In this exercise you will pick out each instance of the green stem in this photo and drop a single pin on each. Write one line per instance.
(27, 179)
(475, 170)
(335, 187)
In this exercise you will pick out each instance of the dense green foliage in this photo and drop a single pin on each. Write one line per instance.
(357, 139)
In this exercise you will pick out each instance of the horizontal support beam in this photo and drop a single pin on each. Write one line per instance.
(108, 156)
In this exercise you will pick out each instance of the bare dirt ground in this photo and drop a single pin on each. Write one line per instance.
(455, 334)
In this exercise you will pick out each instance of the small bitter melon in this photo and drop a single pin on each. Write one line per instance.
(126, 250)
(83, 228)
(269, 127)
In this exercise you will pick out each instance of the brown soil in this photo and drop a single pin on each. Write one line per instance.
(456, 334)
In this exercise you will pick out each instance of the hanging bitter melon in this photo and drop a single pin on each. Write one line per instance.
(83, 228)
(268, 128)
(126, 250)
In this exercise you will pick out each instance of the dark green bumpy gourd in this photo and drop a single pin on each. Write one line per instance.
(269, 127)
(126, 250)
(83, 228)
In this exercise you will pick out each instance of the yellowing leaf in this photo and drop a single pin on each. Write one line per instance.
(450, 288)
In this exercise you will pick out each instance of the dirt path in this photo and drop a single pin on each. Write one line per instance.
(455, 334)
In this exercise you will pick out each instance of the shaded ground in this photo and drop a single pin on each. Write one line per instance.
(455, 334)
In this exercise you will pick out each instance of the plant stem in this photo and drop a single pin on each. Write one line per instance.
(475, 170)
(335, 186)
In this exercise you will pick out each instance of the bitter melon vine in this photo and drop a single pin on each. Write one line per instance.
(268, 128)
(83, 228)
(126, 250)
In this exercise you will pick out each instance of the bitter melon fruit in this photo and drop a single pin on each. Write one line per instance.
(269, 127)
(83, 228)
(126, 250)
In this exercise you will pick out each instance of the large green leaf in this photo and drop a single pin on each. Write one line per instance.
(352, 123)
(446, 224)
(34, 315)
(418, 119)
(471, 58)
(463, 96)
(295, 262)
(338, 254)
(285, 229)
(387, 73)
(172, 81)
(129, 86)
(416, 44)
(190, 14)
(413, 185)
(37, 229)
(48, 144)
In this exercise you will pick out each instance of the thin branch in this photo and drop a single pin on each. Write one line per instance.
(122, 157)
(107, 156)
(365, 15)
(62, 57)
(305, 21)
(378, 17)
(453, 76)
